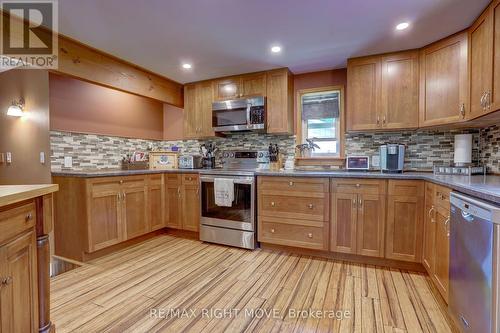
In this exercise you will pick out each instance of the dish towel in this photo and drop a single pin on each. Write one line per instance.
(224, 192)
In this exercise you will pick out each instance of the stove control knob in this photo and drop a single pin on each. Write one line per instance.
(232, 155)
(225, 155)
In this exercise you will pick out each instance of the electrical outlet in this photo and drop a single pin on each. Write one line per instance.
(42, 157)
(376, 160)
(68, 161)
(8, 156)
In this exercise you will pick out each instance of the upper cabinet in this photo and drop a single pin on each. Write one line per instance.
(444, 81)
(275, 85)
(383, 92)
(198, 110)
(279, 94)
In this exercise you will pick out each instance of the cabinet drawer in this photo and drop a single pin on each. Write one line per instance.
(289, 232)
(442, 196)
(355, 186)
(189, 179)
(305, 208)
(16, 220)
(293, 184)
(173, 178)
(155, 179)
(407, 188)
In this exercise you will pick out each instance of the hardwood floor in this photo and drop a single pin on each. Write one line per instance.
(124, 292)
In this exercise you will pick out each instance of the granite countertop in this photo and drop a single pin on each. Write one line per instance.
(483, 187)
(10, 194)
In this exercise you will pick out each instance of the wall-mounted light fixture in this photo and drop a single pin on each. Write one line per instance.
(17, 108)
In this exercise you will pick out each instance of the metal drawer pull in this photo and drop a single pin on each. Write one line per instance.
(6, 281)
(360, 202)
(273, 204)
(272, 231)
(310, 235)
(354, 202)
(430, 211)
(462, 110)
(311, 206)
(28, 217)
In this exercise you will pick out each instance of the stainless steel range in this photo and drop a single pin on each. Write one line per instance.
(233, 225)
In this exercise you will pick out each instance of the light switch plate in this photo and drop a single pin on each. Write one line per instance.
(376, 160)
(8, 156)
(68, 161)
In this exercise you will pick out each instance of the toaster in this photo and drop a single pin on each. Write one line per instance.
(190, 162)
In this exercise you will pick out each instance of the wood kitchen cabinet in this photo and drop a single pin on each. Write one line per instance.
(399, 90)
(183, 201)
(92, 214)
(436, 236)
(383, 92)
(198, 110)
(405, 207)
(240, 86)
(18, 284)
(444, 81)
(358, 216)
(280, 101)
(293, 211)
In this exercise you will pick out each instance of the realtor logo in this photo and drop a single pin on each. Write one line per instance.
(29, 34)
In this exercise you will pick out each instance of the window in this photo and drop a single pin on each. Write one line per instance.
(321, 115)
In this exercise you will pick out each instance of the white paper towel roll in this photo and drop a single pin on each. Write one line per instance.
(463, 149)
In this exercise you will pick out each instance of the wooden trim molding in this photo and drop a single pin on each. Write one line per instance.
(322, 160)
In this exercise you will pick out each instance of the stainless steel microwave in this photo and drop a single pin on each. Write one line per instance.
(246, 114)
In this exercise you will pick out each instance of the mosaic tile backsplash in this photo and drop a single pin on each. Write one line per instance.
(424, 148)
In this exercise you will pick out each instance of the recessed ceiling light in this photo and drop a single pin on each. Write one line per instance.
(402, 26)
(187, 66)
(276, 49)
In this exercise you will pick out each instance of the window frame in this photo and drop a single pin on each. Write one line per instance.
(300, 136)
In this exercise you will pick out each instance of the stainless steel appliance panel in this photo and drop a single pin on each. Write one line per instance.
(231, 237)
(239, 115)
(474, 264)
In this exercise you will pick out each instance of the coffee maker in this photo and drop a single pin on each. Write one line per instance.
(392, 158)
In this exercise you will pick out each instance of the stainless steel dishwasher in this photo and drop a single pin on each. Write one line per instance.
(474, 264)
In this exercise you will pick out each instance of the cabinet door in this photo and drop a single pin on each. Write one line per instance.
(399, 90)
(404, 228)
(495, 10)
(370, 226)
(444, 81)
(190, 207)
(134, 208)
(105, 221)
(429, 229)
(481, 64)
(344, 216)
(204, 98)
(156, 202)
(442, 251)
(228, 88)
(174, 206)
(363, 98)
(19, 293)
(279, 91)
(253, 85)
(191, 124)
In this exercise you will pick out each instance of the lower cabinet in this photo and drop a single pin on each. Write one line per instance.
(183, 201)
(18, 270)
(405, 206)
(358, 217)
(293, 211)
(437, 232)
(94, 213)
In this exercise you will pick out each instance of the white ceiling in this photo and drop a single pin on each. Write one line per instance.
(224, 37)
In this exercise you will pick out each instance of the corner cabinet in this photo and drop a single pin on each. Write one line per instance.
(444, 81)
(383, 92)
(92, 214)
(405, 206)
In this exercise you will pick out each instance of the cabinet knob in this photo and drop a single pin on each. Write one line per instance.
(358, 185)
(6, 281)
(311, 206)
(310, 235)
(190, 178)
(273, 204)
(28, 217)
(290, 183)
(272, 231)
(121, 181)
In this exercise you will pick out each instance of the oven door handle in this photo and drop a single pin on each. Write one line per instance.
(247, 180)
